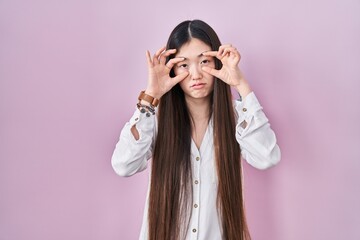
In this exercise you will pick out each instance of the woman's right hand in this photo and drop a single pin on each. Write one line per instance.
(160, 81)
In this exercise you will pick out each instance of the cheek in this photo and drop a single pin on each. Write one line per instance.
(178, 71)
(211, 65)
(182, 84)
(211, 83)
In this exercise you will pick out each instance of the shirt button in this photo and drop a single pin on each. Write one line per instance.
(196, 181)
(136, 119)
(195, 205)
(194, 230)
(197, 158)
(244, 109)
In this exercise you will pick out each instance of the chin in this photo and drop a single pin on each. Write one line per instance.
(200, 95)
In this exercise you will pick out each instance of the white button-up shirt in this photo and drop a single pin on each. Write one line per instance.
(258, 146)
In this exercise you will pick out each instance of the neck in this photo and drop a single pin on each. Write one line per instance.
(199, 108)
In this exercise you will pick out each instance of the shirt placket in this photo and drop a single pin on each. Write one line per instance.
(196, 163)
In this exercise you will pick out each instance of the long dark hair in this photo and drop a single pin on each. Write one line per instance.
(171, 179)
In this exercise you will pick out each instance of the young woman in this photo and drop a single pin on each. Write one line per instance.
(195, 137)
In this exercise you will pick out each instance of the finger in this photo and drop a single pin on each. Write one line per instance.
(180, 77)
(213, 54)
(231, 53)
(212, 71)
(223, 47)
(157, 54)
(226, 52)
(229, 50)
(165, 54)
(160, 51)
(210, 53)
(148, 58)
(170, 64)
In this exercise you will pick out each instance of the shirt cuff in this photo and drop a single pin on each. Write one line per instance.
(248, 106)
(246, 110)
(142, 121)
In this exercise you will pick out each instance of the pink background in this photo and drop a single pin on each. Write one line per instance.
(70, 73)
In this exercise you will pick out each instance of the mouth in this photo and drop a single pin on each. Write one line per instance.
(198, 85)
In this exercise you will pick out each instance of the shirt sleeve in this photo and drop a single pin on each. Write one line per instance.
(257, 140)
(130, 155)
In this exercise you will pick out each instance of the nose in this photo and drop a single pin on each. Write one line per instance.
(196, 73)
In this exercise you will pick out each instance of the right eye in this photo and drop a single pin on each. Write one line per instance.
(184, 65)
(205, 61)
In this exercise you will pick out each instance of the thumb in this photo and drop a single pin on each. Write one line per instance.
(180, 77)
(212, 71)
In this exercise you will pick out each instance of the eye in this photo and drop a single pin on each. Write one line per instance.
(206, 61)
(184, 65)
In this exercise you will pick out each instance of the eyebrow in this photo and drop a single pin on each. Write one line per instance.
(200, 55)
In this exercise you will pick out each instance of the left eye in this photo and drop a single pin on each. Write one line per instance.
(205, 61)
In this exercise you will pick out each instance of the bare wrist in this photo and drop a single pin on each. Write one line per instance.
(243, 89)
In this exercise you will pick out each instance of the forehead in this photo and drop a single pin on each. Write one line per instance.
(193, 48)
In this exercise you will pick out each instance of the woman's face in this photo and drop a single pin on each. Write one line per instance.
(197, 84)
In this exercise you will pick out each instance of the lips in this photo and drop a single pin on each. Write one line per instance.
(198, 85)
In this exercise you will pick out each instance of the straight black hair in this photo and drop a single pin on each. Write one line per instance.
(171, 175)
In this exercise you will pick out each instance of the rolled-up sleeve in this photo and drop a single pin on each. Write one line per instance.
(253, 132)
(130, 155)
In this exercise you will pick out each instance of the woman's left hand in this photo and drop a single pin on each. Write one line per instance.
(230, 72)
